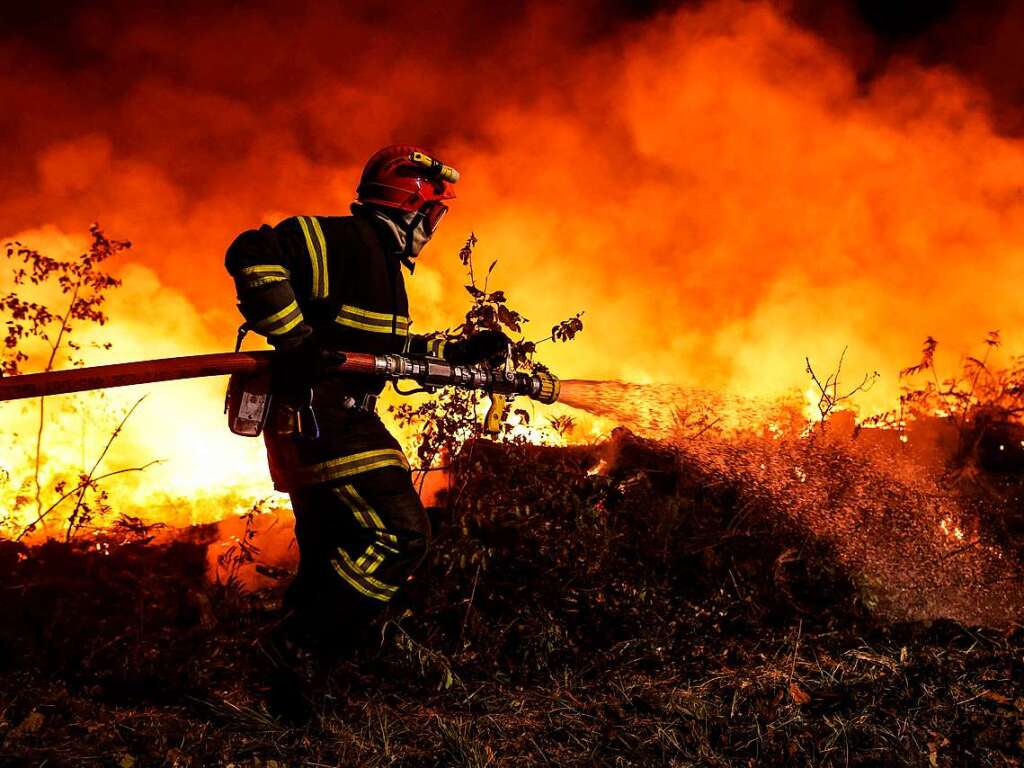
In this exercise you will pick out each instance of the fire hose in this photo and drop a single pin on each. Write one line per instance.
(430, 373)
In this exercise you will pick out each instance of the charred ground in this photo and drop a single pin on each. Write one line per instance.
(643, 615)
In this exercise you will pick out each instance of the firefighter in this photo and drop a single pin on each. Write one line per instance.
(312, 285)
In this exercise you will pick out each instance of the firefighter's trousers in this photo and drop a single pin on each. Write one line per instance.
(359, 538)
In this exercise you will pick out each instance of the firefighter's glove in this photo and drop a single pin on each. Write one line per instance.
(298, 366)
(485, 346)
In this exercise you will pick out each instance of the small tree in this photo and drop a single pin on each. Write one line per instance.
(977, 397)
(82, 285)
(444, 423)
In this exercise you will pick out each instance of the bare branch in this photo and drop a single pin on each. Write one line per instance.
(74, 517)
(829, 397)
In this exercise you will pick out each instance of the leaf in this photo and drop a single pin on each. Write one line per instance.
(797, 694)
(491, 268)
(998, 698)
(31, 724)
(927, 358)
(466, 252)
(475, 292)
(509, 318)
(488, 317)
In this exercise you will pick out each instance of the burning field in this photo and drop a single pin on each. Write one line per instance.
(760, 527)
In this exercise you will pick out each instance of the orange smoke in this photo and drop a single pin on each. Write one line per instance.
(714, 186)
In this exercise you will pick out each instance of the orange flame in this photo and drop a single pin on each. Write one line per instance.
(715, 186)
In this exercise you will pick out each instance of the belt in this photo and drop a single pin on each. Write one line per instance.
(284, 419)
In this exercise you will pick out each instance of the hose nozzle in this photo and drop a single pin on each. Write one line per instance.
(548, 387)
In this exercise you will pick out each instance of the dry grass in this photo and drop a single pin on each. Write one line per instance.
(642, 617)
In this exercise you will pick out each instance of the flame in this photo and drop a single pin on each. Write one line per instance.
(203, 471)
(951, 529)
(715, 186)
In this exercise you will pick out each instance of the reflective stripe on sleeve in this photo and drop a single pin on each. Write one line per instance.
(280, 322)
(265, 269)
(248, 278)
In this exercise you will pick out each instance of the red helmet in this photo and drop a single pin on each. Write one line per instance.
(405, 177)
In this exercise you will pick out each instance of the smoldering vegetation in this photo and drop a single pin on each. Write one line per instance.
(615, 604)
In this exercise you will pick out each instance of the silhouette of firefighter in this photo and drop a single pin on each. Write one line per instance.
(317, 284)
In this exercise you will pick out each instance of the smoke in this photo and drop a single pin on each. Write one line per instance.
(980, 41)
(725, 188)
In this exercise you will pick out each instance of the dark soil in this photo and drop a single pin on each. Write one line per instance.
(638, 617)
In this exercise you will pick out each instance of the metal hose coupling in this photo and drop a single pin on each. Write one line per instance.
(432, 372)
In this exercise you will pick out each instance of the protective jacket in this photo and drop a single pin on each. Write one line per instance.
(332, 277)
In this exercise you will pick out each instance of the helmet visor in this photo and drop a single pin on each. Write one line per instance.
(432, 215)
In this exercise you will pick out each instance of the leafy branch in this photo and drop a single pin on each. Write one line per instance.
(446, 422)
(973, 400)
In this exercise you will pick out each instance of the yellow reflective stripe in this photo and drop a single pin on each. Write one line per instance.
(313, 258)
(367, 579)
(364, 558)
(365, 515)
(255, 281)
(366, 508)
(399, 329)
(370, 314)
(292, 306)
(360, 579)
(265, 269)
(381, 320)
(362, 511)
(374, 322)
(358, 514)
(260, 274)
(371, 559)
(323, 254)
(357, 585)
(354, 464)
(280, 322)
(383, 536)
(290, 325)
(317, 255)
